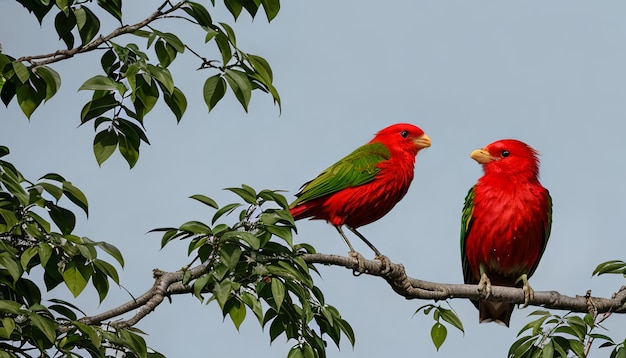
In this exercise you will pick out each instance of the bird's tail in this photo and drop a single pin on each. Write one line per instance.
(300, 212)
(499, 312)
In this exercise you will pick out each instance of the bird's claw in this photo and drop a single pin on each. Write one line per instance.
(360, 263)
(529, 293)
(484, 286)
(385, 263)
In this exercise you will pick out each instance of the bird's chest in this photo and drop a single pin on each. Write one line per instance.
(507, 231)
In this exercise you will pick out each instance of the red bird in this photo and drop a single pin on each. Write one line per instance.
(505, 225)
(366, 184)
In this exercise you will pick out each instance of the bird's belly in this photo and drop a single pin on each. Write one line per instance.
(508, 255)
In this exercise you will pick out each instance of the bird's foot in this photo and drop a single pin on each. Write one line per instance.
(529, 293)
(360, 263)
(484, 286)
(385, 263)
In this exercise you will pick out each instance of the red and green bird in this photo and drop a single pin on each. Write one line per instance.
(505, 224)
(366, 184)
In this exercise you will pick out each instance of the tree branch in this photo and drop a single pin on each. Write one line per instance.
(60, 55)
(412, 288)
(171, 283)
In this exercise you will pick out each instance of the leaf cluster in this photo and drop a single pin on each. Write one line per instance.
(552, 335)
(36, 231)
(254, 267)
(133, 81)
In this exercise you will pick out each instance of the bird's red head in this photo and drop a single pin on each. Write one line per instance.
(403, 136)
(508, 156)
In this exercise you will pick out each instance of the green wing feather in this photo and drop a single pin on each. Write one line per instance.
(466, 224)
(357, 168)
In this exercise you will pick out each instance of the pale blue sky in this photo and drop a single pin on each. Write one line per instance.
(550, 73)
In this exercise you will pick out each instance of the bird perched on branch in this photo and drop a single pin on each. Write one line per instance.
(366, 184)
(505, 224)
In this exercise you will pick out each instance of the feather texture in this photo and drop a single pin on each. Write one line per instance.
(506, 221)
(367, 183)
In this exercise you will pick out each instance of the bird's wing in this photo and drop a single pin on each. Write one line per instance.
(547, 227)
(357, 168)
(466, 225)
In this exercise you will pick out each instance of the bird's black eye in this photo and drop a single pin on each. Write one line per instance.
(505, 153)
(404, 133)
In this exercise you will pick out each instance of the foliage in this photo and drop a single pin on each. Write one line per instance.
(439, 332)
(28, 240)
(247, 270)
(132, 81)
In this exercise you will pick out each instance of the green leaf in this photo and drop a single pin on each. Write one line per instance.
(177, 102)
(205, 200)
(103, 83)
(278, 292)
(52, 79)
(221, 291)
(76, 196)
(113, 7)
(45, 251)
(10, 306)
(8, 326)
(45, 325)
(438, 334)
(451, 317)
(255, 305)
(162, 75)
(237, 313)
(129, 148)
(93, 335)
(262, 67)
(172, 39)
(271, 8)
(224, 47)
(27, 255)
(63, 218)
(13, 268)
(230, 254)
(76, 278)
(214, 90)
(21, 71)
(610, 267)
(199, 12)
(28, 98)
(113, 251)
(98, 106)
(88, 24)
(107, 269)
(246, 193)
(241, 86)
(234, 6)
(224, 210)
(104, 145)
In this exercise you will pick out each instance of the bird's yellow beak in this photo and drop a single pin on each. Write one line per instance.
(422, 141)
(482, 156)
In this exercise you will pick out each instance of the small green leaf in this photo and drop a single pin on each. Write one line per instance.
(278, 292)
(103, 83)
(223, 46)
(63, 218)
(88, 24)
(75, 278)
(113, 7)
(205, 200)
(438, 334)
(214, 90)
(199, 12)
(76, 196)
(129, 148)
(451, 317)
(271, 8)
(13, 268)
(21, 71)
(227, 209)
(177, 102)
(45, 325)
(241, 86)
(52, 79)
(28, 98)
(113, 251)
(104, 145)
(237, 313)
(230, 254)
